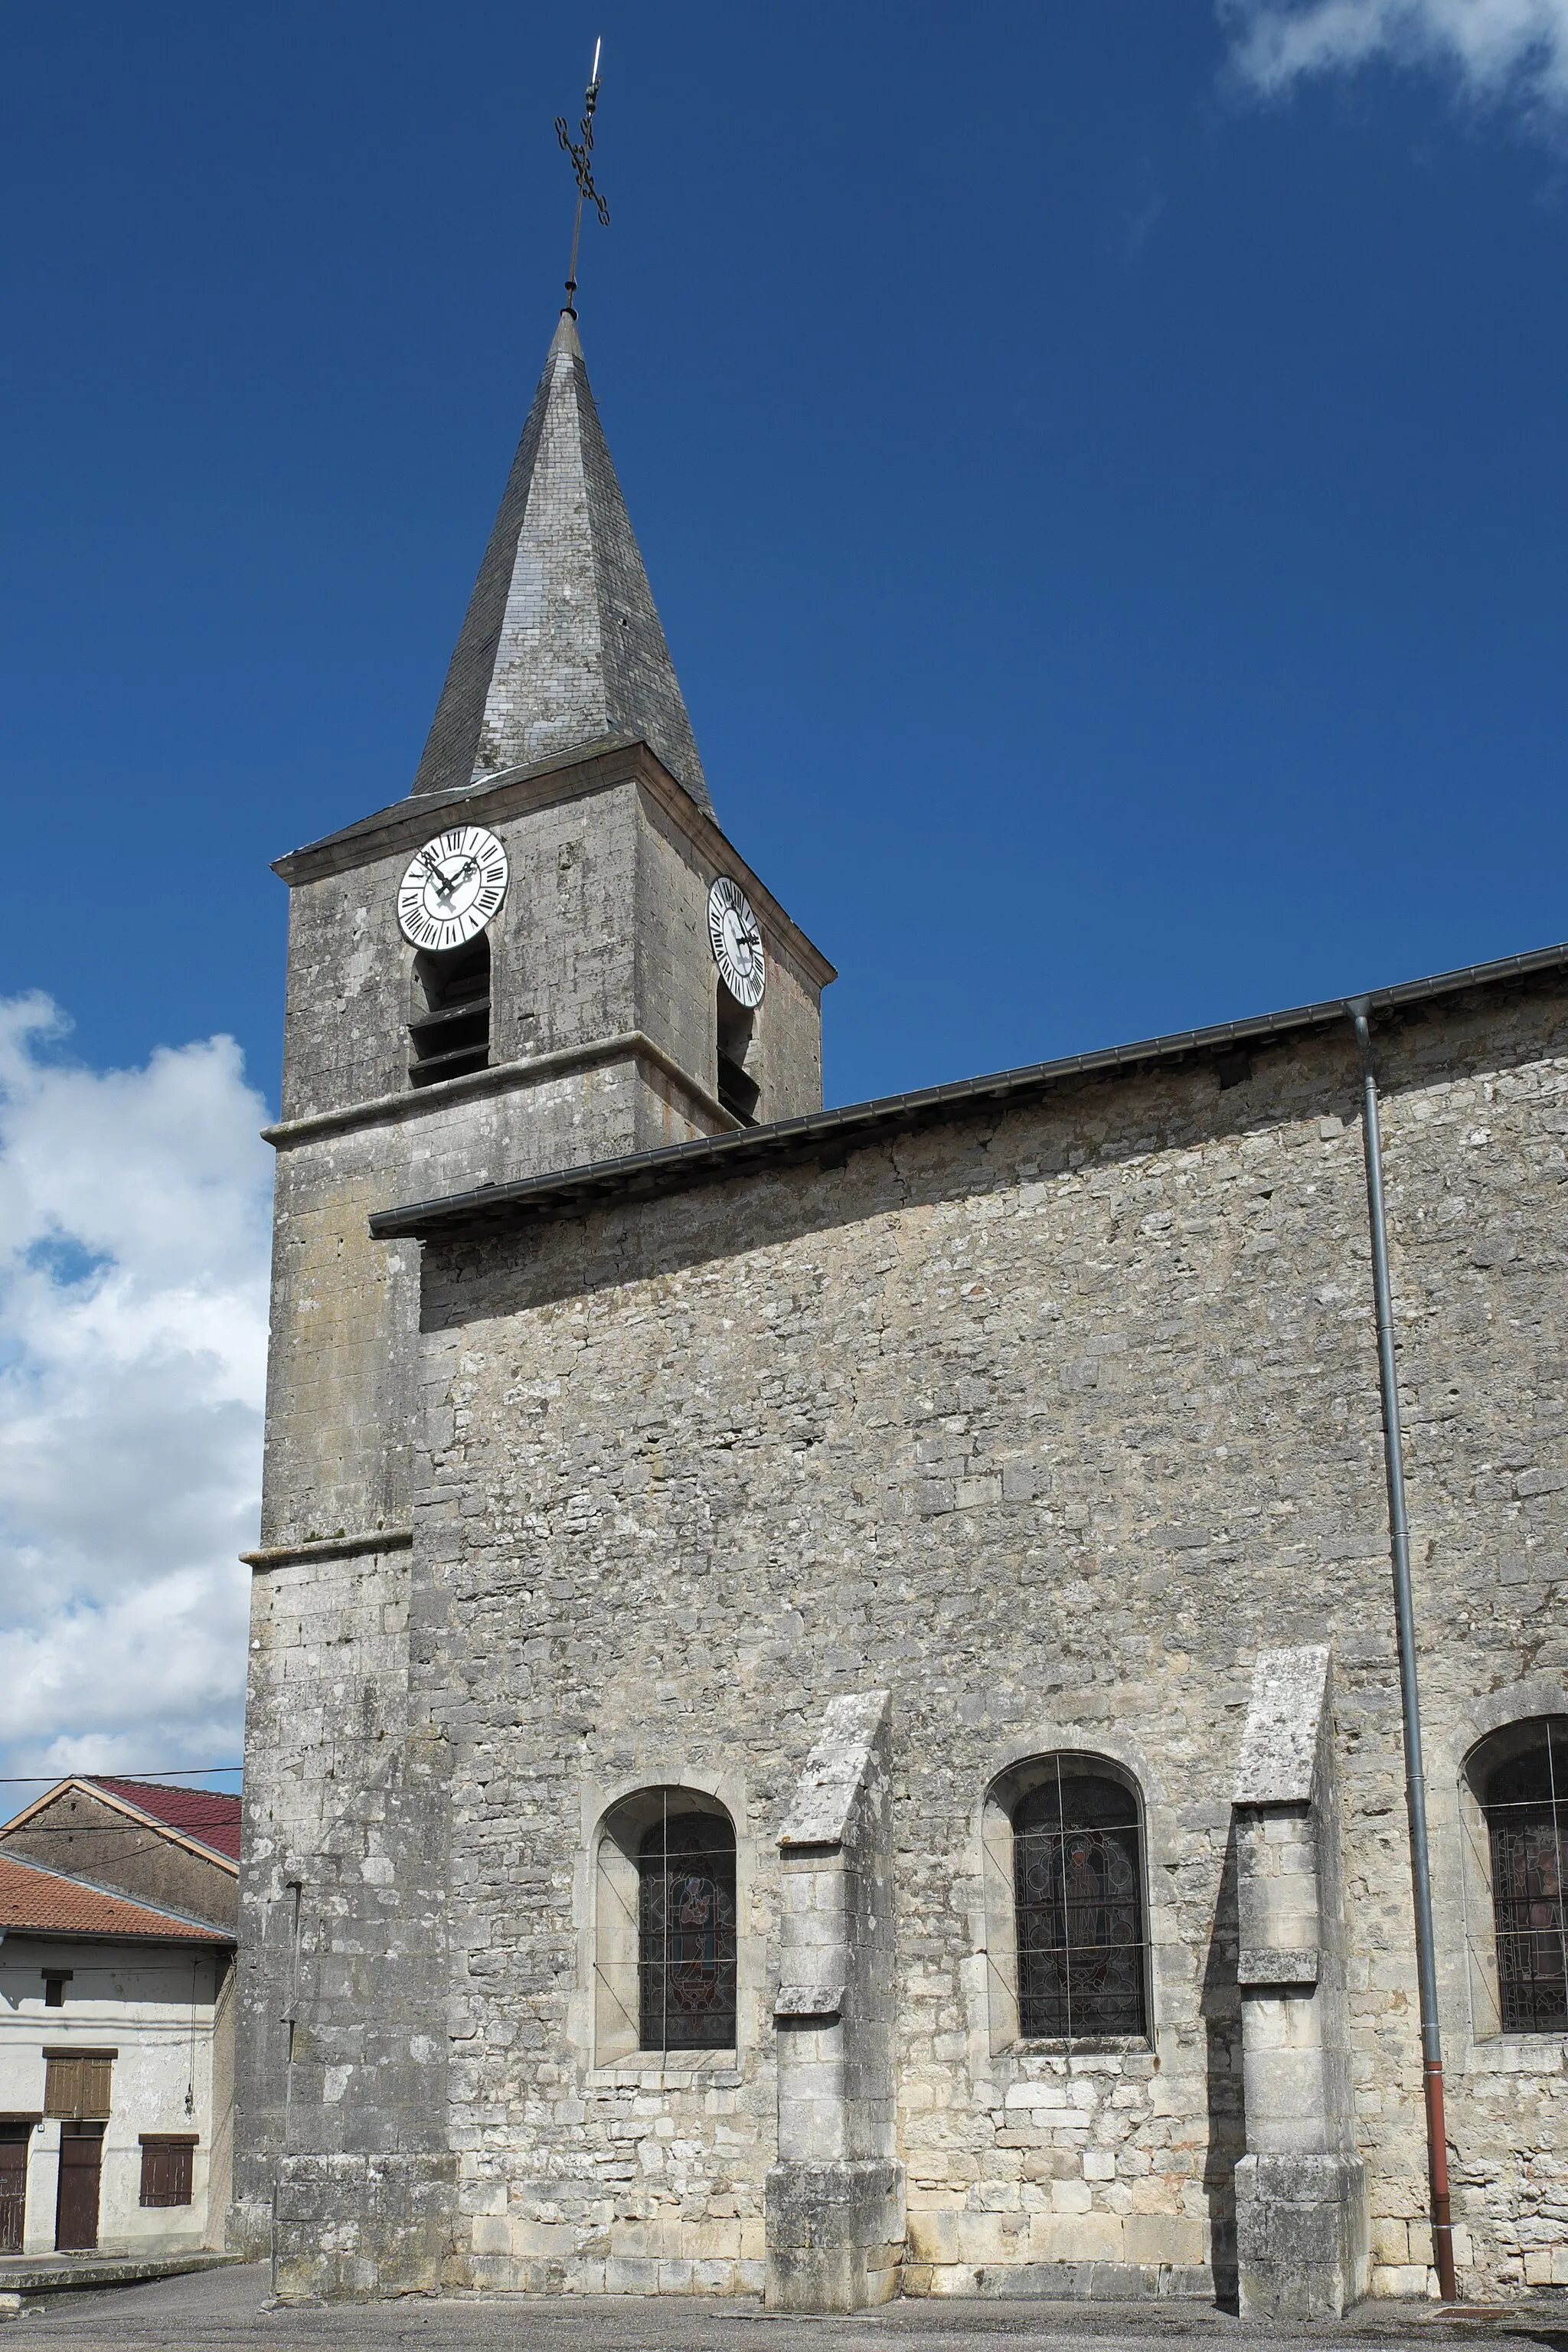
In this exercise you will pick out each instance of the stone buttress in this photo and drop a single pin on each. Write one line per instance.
(835, 2196)
(1301, 2189)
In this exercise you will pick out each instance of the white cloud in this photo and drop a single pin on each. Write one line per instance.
(133, 1223)
(1515, 49)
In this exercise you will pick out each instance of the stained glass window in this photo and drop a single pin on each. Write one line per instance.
(1525, 1800)
(1078, 1887)
(686, 1934)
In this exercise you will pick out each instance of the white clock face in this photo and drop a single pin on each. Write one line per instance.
(452, 888)
(737, 942)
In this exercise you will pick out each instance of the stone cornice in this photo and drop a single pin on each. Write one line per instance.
(338, 1546)
(507, 1077)
(597, 768)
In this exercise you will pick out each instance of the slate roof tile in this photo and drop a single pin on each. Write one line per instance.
(561, 642)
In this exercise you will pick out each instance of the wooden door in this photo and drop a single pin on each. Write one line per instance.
(81, 2161)
(14, 2139)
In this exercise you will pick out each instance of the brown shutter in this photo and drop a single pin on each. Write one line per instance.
(166, 2170)
(78, 2086)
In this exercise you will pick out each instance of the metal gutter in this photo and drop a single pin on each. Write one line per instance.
(782, 1141)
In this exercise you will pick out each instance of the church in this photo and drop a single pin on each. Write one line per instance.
(833, 1692)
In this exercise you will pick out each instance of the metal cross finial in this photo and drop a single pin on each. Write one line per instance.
(582, 153)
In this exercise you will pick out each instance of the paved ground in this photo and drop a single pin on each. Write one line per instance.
(225, 2310)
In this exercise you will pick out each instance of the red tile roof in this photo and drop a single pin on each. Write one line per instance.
(43, 1902)
(209, 1815)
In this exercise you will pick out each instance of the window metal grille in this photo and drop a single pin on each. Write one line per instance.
(1078, 1888)
(1524, 1802)
(686, 1934)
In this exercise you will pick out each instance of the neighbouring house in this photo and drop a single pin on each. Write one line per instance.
(116, 2020)
(178, 1848)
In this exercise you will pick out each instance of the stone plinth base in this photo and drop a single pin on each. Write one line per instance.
(836, 2235)
(1301, 2235)
(351, 2227)
(1062, 2282)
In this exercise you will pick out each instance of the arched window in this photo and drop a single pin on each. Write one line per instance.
(1520, 1777)
(1078, 1883)
(686, 1934)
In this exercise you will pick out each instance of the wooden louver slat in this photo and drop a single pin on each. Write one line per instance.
(77, 2086)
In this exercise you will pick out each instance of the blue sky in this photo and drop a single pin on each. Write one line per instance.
(1110, 525)
(1102, 470)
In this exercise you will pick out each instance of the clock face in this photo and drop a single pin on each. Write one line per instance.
(452, 888)
(737, 942)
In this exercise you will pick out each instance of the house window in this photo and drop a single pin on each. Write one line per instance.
(55, 1983)
(76, 2083)
(686, 1934)
(167, 2160)
(1077, 1884)
(449, 1029)
(1522, 1784)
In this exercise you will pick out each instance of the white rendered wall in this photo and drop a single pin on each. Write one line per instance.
(156, 2008)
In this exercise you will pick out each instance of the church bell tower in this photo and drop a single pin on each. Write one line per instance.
(546, 955)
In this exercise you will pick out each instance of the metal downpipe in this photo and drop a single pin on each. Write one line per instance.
(1410, 1702)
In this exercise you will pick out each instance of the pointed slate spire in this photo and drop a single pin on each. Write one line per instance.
(560, 645)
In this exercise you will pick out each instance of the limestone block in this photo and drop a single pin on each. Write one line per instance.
(1394, 2278)
(826, 2224)
(631, 2275)
(1163, 2238)
(933, 2237)
(1080, 2237)
(1300, 2234)
(1390, 2242)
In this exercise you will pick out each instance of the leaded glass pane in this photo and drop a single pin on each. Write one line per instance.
(686, 1935)
(1525, 1799)
(1078, 1883)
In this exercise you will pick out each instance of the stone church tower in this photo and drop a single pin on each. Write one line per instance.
(586, 1023)
(825, 1717)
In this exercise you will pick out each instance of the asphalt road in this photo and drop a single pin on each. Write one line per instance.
(226, 2310)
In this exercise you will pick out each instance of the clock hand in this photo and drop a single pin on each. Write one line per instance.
(449, 882)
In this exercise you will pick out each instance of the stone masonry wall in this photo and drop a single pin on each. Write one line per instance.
(342, 2061)
(1048, 1420)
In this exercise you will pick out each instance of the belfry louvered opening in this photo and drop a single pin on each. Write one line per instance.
(449, 1028)
(738, 1089)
